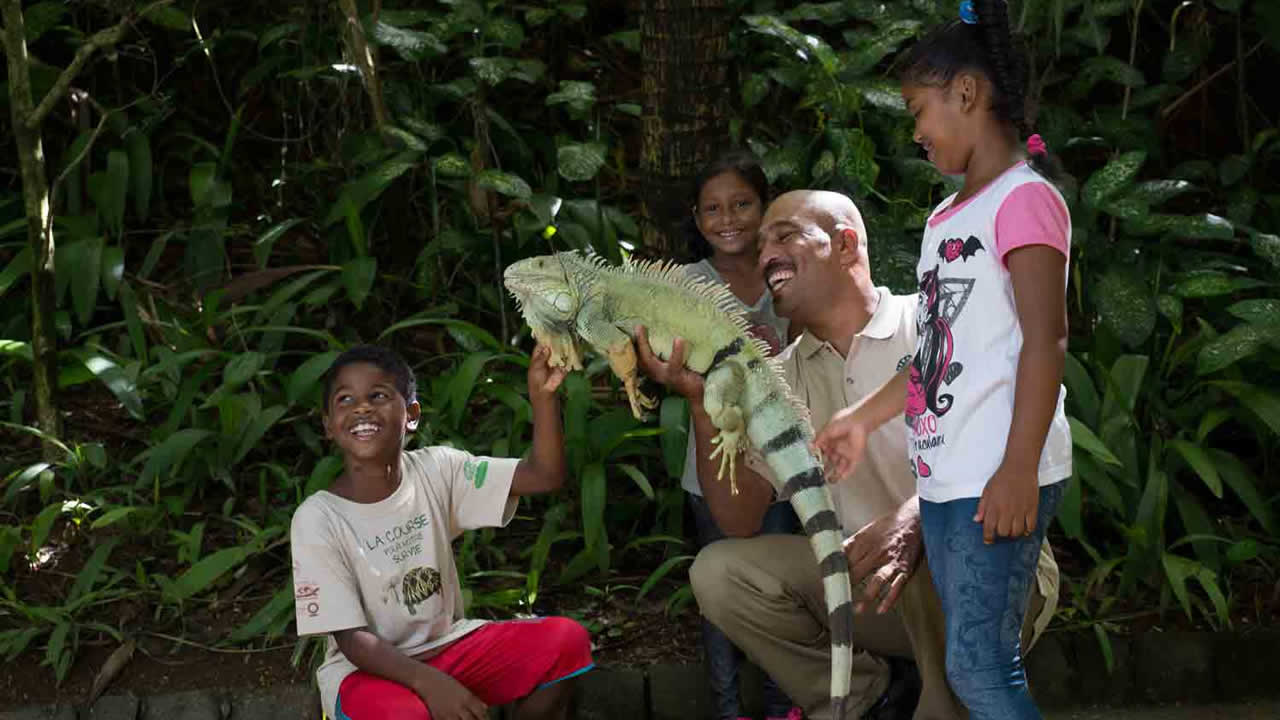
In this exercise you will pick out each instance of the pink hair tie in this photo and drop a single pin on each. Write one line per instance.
(1036, 146)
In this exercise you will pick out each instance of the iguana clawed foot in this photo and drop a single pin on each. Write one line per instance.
(622, 360)
(729, 442)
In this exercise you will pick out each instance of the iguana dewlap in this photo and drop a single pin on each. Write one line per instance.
(570, 298)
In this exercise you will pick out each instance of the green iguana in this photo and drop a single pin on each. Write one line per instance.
(570, 298)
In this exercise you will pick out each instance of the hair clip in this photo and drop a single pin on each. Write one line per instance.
(968, 15)
(1036, 146)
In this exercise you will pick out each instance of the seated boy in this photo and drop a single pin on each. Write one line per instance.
(373, 567)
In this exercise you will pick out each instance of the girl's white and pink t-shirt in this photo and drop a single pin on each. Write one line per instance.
(960, 395)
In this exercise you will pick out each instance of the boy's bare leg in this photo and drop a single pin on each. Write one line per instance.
(549, 703)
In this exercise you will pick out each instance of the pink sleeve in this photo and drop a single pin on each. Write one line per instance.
(1033, 214)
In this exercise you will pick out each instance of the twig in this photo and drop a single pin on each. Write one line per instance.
(210, 648)
(1168, 109)
(98, 41)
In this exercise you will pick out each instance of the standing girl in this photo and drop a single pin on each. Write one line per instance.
(729, 196)
(987, 435)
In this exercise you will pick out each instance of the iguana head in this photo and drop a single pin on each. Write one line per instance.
(549, 299)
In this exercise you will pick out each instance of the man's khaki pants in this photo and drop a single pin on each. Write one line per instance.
(765, 594)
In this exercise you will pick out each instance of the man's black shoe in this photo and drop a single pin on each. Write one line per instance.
(898, 701)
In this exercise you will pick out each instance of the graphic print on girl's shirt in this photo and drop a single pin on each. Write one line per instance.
(940, 303)
(960, 390)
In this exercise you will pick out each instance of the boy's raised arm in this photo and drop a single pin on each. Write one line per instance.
(545, 468)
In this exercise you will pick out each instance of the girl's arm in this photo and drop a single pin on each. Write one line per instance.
(1010, 501)
(445, 697)
(843, 440)
(545, 468)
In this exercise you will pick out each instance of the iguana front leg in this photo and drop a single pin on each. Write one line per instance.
(720, 397)
(617, 347)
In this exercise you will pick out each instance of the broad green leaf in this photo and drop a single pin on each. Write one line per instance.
(91, 570)
(112, 516)
(1264, 245)
(328, 468)
(662, 570)
(138, 147)
(1126, 207)
(361, 191)
(267, 240)
(1110, 180)
(41, 17)
(17, 269)
(1104, 644)
(358, 275)
(1237, 344)
(580, 96)
(241, 369)
(1171, 307)
(1069, 513)
(1155, 192)
(18, 349)
(43, 524)
(1179, 570)
(1080, 389)
(1108, 68)
(1243, 551)
(1263, 311)
(754, 89)
(1233, 169)
(308, 375)
(870, 48)
(1265, 404)
(112, 270)
(86, 277)
(1199, 528)
(258, 427)
(807, 47)
(452, 165)
(580, 162)
(170, 453)
(117, 381)
(1199, 461)
(167, 16)
(207, 189)
(1211, 284)
(492, 70)
(855, 157)
(463, 384)
(280, 605)
(1124, 385)
(593, 502)
(200, 576)
(57, 655)
(129, 307)
(1099, 481)
(638, 477)
(506, 32)
(1084, 438)
(1125, 306)
(117, 190)
(411, 45)
(504, 183)
(1195, 227)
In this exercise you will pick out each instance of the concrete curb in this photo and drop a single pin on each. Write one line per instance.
(1066, 671)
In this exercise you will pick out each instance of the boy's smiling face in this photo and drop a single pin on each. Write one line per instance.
(365, 414)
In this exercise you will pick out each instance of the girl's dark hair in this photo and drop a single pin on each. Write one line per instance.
(989, 47)
(742, 162)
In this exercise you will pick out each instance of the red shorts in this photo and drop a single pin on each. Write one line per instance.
(499, 663)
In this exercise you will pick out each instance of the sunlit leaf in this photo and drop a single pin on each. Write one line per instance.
(593, 502)
(806, 47)
(1114, 177)
(1085, 439)
(505, 183)
(1125, 306)
(1237, 344)
(358, 275)
(580, 162)
(205, 573)
(411, 45)
(308, 375)
(1199, 461)
(1264, 403)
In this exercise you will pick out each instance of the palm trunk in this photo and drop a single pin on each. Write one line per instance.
(35, 196)
(684, 46)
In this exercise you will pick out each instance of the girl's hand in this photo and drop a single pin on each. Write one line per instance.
(842, 443)
(447, 699)
(544, 379)
(1008, 505)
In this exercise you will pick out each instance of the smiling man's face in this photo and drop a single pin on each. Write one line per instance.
(798, 259)
(366, 416)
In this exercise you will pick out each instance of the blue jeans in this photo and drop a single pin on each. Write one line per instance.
(984, 591)
(722, 657)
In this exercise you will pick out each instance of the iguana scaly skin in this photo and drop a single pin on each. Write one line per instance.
(570, 298)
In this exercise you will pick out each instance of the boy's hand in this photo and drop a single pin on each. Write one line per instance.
(447, 699)
(1008, 505)
(671, 373)
(544, 379)
(842, 443)
(886, 552)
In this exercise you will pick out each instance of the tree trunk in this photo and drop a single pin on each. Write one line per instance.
(35, 196)
(684, 46)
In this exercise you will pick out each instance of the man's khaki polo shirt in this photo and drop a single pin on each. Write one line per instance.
(827, 382)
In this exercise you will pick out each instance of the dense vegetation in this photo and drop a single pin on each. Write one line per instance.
(240, 193)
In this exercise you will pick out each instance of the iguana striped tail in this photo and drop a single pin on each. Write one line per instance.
(799, 478)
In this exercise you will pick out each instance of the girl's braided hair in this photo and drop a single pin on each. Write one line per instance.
(987, 46)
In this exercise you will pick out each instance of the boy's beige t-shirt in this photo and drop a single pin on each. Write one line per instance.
(388, 566)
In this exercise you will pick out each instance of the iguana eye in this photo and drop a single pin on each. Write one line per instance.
(563, 302)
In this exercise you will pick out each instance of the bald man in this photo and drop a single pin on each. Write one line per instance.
(764, 592)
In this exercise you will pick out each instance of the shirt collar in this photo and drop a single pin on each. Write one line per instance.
(882, 326)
